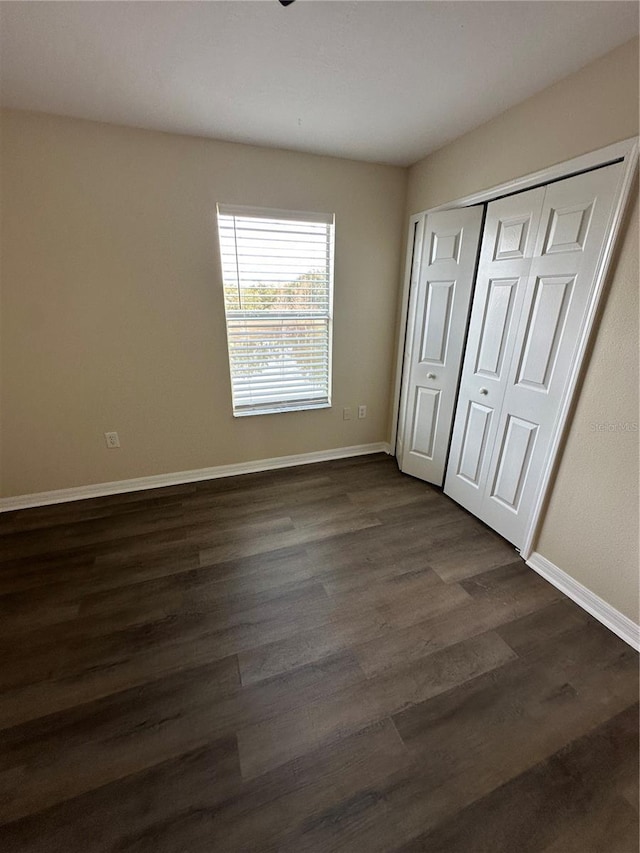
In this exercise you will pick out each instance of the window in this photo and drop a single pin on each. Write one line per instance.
(277, 271)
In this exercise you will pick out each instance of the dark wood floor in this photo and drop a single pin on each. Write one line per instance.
(331, 657)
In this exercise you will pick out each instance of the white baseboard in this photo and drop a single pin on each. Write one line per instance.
(158, 480)
(617, 622)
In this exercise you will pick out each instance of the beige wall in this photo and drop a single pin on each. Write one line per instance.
(112, 305)
(590, 529)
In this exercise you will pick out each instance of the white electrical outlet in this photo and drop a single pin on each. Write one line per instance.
(346, 413)
(112, 439)
(362, 411)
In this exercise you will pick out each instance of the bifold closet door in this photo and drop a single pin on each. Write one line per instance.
(538, 263)
(438, 312)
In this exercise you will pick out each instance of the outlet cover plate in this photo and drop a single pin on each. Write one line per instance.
(112, 439)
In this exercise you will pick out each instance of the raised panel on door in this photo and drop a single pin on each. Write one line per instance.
(496, 322)
(474, 442)
(567, 226)
(438, 312)
(516, 447)
(543, 330)
(438, 303)
(547, 321)
(424, 419)
(513, 233)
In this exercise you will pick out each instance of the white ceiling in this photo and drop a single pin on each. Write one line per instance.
(382, 81)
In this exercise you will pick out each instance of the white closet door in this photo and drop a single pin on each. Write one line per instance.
(439, 308)
(525, 327)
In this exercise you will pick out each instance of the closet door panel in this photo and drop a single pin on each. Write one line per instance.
(438, 311)
(554, 289)
(573, 228)
(505, 260)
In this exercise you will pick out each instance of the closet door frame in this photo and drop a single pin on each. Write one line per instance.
(626, 152)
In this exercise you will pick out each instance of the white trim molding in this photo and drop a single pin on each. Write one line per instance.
(558, 171)
(601, 610)
(157, 481)
(411, 267)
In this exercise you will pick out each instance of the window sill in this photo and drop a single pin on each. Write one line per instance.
(277, 410)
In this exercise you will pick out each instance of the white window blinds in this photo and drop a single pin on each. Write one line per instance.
(277, 270)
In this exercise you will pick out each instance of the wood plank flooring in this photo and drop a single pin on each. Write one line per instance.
(333, 657)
